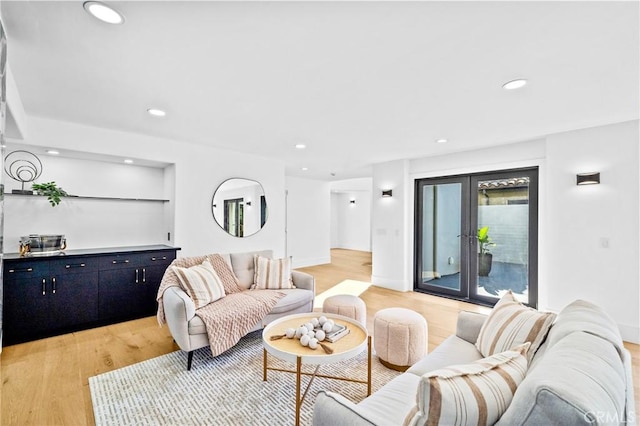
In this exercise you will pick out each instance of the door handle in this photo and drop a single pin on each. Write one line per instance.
(144, 275)
(137, 276)
(44, 287)
(53, 286)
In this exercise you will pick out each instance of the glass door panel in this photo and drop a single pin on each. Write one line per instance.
(476, 236)
(440, 267)
(504, 223)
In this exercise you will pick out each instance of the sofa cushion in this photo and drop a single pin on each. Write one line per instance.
(476, 393)
(201, 283)
(510, 324)
(392, 402)
(242, 264)
(585, 316)
(272, 274)
(294, 298)
(580, 380)
(453, 350)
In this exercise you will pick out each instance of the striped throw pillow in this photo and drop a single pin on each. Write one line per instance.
(510, 324)
(201, 283)
(272, 274)
(471, 394)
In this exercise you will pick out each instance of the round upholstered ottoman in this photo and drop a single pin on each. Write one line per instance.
(399, 337)
(347, 305)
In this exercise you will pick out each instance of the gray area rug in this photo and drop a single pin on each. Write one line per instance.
(225, 390)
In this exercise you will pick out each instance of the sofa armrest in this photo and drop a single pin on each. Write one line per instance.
(304, 281)
(469, 325)
(179, 309)
(331, 409)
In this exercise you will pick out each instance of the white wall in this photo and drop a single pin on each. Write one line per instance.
(392, 252)
(573, 221)
(197, 171)
(308, 221)
(351, 222)
(585, 219)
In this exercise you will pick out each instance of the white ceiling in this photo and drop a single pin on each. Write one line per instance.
(357, 82)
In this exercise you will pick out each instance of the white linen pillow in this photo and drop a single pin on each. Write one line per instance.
(470, 394)
(201, 283)
(272, 274)
(510, 323)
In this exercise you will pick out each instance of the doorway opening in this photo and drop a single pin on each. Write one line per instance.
(477, 236)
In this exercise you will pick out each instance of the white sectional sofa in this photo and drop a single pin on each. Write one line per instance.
(581, 375)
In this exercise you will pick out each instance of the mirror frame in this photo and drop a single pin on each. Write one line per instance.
(253, 207)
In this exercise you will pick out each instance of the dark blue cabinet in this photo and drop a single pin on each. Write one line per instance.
(46, 296)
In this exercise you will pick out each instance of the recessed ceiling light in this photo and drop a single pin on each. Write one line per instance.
(304, 169)
(156, 112)
(103, 12)
(53, 152)
(128, 161)
(514, 84)
(300, 146)
(441, 141)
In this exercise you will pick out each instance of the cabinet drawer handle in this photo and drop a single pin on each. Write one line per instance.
(53, 280)
(115, 262)
(77, 265)
(162, 258)
(44, 287)
(11, 271)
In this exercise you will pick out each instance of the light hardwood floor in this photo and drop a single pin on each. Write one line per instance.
(45, 382)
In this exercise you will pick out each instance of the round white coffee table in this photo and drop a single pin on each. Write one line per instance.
(292, 351)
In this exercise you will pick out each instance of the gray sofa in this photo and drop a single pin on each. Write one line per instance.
(581, 375)
(188, 330)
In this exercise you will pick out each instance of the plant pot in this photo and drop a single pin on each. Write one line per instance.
(484, 264)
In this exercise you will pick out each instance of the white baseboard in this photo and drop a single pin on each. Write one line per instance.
(310, 261)
(390, 283)
(630, 333)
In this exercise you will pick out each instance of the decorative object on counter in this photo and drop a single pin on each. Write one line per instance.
(53, 192)
(42, 244)
(22, 166)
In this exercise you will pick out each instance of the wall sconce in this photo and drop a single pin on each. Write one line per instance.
(387, 193)
(352, 201)
(248, 203)
(214, 206)
(588, 178)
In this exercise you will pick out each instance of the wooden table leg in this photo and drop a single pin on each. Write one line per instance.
(264, 366)
(369, 366)
(298, 402)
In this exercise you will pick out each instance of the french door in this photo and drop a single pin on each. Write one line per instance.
(477, 236)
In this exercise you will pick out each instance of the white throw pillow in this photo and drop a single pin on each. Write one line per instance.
(471, 394)
(510, 324)
(272, 274)
(201, 283)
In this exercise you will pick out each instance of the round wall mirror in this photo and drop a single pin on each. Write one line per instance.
(240, 207)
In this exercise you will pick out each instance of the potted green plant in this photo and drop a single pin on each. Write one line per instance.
(485, 258)
(52, 191)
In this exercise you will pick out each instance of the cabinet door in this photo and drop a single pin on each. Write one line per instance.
(121, 293)
(73, 299)
(73, 295)
(25, 312)
(155, 265)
